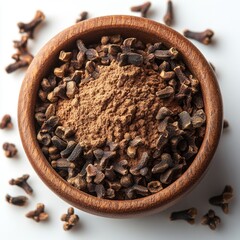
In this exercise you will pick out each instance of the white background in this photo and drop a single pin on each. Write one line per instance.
(221, 16)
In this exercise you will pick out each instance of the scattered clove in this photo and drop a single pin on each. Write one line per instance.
(187, 215)
(224, 199)
(70, 219)
(204, 37)
(168, 17)
(38, 214)
(22, 182)
(6, 122)
(142, 8)
(225, 124)
(22, 58)
(82, 16)
(10, 150)
(29, 28)
(18, 201)
(211, 220)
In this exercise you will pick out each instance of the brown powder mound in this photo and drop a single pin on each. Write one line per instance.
(121, 100)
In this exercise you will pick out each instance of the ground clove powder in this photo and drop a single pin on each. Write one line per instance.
(121, 101)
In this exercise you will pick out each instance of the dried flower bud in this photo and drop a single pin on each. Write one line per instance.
(10, 150)
(224, 199)
(6, 122)
(70, 219)
(18, 201)
(187, 215)
(211, 220)
(22, 182)
(38, 214)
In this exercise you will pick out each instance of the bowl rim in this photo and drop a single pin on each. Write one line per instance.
(122, 208)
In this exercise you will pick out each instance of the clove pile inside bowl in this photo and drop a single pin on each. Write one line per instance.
(120, 119)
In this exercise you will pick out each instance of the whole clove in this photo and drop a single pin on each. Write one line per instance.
(188, 215)
(171, 53)
(82, 16)
(142, 8)
(30, 27)
(168, 17)
(22, 182)
(224, 199)
(211, 220)
(204, 37)
(19, 63)
(22, 57)
(17, 201)
(10, 150)
(38, 214)
(6, 122)
(70, 219)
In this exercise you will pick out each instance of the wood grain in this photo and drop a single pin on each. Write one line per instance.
(148, 31)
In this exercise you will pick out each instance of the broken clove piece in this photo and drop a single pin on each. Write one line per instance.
(225, 124)
(168, 17)
(82, 16)
(187, 215)
(211, 220)
(142, 8)
(17, 201)
(70, 219)
(30, 27)
(10, 150)
(224, 199)
(204, 37)
(38, 214)
(6, 122)
(22, 182)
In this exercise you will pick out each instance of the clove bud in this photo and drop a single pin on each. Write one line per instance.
(70, 219)
(224, 199)
(22, 182)
(82, 16)
(168, 18)
(30, 27)
(6, 122)
(38, 214)
(10, 149)
(187, 215)
(211, 220)
(225, 124)
(18, 201)
(142, 8)
(22, 58)
(204, 37)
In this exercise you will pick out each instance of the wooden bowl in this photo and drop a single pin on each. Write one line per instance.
(148, 31)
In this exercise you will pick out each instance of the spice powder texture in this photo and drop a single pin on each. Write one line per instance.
(120, 102)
